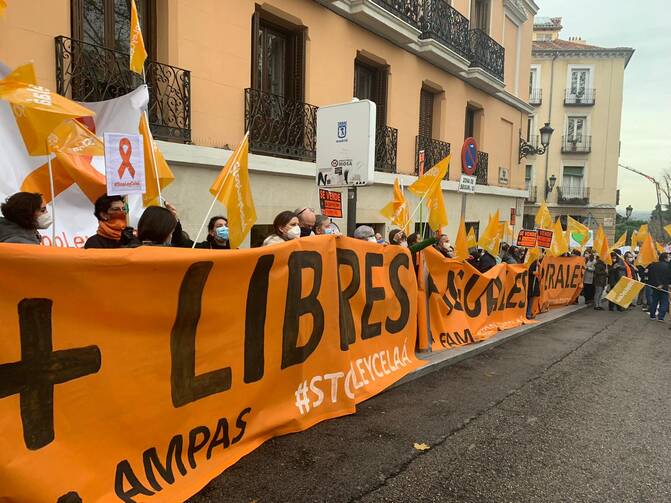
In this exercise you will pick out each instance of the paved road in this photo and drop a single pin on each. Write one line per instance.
(577, 410)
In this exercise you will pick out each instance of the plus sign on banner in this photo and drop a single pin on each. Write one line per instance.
(124, 164)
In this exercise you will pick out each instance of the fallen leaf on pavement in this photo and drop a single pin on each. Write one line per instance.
(421, 447)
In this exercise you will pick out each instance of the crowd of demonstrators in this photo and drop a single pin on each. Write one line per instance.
(23, 214)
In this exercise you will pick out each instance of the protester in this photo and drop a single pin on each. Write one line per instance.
(534, 288)
(306, 221)
(365, 233)
(509, 255)
(24, 213)
(156, 227)
(659, 278)
(217, 235)
(481, 260)
(398, 237)
(443, 246)
(644, 294)
(588, 279)
(379, 238)
(286, 228)
(616, 271)
(113, 230)
(323, 225)
(413, 239)
(600, 280)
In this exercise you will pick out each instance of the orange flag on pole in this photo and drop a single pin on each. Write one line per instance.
(471, 240)
(601, 245)
(154, 165)
(543, 218)
(461, 243)
(559, 244)
(232, 189)
(138, 53)
(648, 253)
(397, 210)
(428, 186)
(490, 241)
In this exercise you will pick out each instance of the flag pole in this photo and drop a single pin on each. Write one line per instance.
(151, 143)
(53, 197)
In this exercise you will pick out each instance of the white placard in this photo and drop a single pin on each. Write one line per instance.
(124, 164)
(346, 144)
(503, 176)
(467, 184)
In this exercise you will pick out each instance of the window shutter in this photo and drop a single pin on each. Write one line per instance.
(425, 113)
(256, 28)
(298, 66)
(381, 96)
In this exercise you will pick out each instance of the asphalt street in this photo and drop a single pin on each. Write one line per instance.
(577, 410)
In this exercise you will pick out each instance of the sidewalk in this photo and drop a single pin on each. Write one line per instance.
(442, 359)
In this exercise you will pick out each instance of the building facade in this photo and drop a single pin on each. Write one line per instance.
(577, 88)
(439, 71)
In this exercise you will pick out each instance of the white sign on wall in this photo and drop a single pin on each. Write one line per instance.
(346, 144)
(467, 184)
(124, 164)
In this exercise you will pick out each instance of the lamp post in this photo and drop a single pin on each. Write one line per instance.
(550, 185)
(528, 149)
(628, 211)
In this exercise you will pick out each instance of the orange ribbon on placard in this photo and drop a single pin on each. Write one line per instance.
(126, 150)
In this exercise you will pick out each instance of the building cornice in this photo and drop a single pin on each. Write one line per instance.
(516, 11)
(625, 53)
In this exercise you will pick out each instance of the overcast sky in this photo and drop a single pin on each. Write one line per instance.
(646, 113)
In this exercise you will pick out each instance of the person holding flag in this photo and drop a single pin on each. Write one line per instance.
(659, 278)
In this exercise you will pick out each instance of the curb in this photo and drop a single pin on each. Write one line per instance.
(442, 359)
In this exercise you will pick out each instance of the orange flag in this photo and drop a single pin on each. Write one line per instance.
(461, 243)
(490, 241)
(471, 240)
(138, 53)
(648, 253)
(559, 244)
(601, 245)
(543, 219)
(233, 190)
(397, 210)
(3, 6)
(428, 186)
(37, 110)
(165, 176)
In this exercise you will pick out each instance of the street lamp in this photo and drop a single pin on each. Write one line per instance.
(528, 149)
(550, 185)
(628, 211)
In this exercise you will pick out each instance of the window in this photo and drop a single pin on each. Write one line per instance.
(575, 130)
(370, 83)
(106, 23)
(278, 57)
(572, 181)
(528, 180)
(579, 82)
(469, 130)
(480, 15)
(426, 113)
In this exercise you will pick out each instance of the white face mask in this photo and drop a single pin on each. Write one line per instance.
(44, 221)
(294, 232)
(404, 244)
(372, 239)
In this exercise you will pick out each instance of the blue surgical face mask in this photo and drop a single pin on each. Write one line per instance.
(328, 230)
(222, 233)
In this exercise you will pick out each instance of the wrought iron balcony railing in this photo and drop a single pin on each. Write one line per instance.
(486, 53)
(442, 22)
(532, 194)
(581, 144)
(433, 151)
(482, 169)
(573, 195)
(583, 97)
(535, 96)
(386, 144)
(89, 72)
(407, 10)
(280, 127)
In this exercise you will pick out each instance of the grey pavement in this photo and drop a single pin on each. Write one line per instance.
(575, 410)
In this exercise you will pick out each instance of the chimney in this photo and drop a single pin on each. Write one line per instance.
(577, 40)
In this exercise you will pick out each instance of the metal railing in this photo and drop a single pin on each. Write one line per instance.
(434, 152)
(482, 169)
(407, 10)
(584, 97)
(486, 53)
(442, 22)
(280, 127)
(89, 72)
(386, 145)
(532, 194)
(573, 195)
(535, 96)
(581, 144)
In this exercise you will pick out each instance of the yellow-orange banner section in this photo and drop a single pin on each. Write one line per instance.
(561, 281)
(466, 306)
(139, 375)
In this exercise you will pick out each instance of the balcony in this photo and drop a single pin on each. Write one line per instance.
(486, 53)
(535, 97)
(434, 152)
(532, 194)
(280, 127)
(406, 10)
(584, 97)
(482, 169)
(442, 22)
(386, 143)
(576, 144)
(89, 72)
(577, 196)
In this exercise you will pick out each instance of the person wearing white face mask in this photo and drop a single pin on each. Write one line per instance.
(23, 213)
(286, 228)
(365, 233)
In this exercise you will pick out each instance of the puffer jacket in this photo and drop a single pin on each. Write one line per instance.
(13, 233)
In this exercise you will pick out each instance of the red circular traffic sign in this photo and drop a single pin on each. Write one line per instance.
(469, 156)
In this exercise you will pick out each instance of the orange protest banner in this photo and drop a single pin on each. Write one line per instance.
(466, 306)
(561, 281)
(141, 374)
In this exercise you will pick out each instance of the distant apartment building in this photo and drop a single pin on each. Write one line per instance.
(439, 71)
(577, 88)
